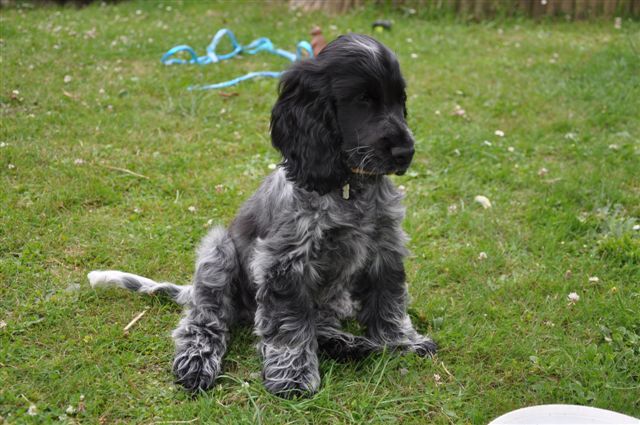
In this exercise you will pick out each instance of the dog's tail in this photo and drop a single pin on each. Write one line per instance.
(113, 278)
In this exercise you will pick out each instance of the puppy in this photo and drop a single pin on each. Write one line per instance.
(321, 240)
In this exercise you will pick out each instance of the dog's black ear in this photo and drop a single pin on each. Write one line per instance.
(304, 128)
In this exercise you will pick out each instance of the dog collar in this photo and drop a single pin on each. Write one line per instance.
(363, 172)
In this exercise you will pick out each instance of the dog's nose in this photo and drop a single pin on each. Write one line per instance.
(402, 155)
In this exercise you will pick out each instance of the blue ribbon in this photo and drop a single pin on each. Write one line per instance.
(259, 45)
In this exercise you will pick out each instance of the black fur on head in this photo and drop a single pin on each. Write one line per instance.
(342, 112)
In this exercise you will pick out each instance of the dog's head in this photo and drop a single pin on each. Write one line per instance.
(342, 112)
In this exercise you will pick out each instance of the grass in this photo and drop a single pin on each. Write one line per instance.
(566, 95)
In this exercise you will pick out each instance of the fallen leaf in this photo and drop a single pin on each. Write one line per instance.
(483, 200)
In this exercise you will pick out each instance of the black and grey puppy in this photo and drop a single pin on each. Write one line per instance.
(321, 239)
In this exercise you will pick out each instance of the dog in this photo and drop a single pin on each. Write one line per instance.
(320, 241)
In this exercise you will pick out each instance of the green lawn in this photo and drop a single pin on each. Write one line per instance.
(84, 97)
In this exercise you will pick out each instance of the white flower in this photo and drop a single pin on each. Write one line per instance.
(79, 161)
(614, 147)
(483, 200)
(636, 227)
(543, 171)
(437, 378)
(402, 189)
(137, 210)
(486, 143)
(458, 111)
(272, 166)
(499, 133)
(11, 166)
(70, 410)
(617, 24)
(33, 410)
(573, 297)
(511, 149)
(482, 256)
(594, 279)
(414, 56)
(192, 208)
(4, 145)
(67, 79)
(452, 209)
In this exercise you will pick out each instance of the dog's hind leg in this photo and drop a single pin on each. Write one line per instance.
(202, 335)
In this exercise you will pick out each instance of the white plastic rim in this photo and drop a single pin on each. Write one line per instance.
(563, 414)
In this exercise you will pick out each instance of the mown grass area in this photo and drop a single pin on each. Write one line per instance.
(84, 97)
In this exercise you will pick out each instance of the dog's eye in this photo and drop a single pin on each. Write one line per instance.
(364, 98)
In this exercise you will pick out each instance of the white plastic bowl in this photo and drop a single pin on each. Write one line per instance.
(556, 414)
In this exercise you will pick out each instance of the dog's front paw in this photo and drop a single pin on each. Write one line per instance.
(290, 372)
(196, 369)
(424, 346)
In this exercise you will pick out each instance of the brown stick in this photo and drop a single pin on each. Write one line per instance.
(133, 321)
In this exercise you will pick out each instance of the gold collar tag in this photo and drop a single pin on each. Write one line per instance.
(345, 191)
